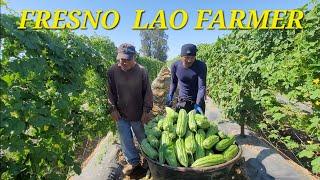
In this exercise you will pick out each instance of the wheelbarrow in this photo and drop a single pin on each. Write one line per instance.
(165, 172)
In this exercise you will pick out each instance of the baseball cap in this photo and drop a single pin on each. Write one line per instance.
(126, 51)
(188, 50)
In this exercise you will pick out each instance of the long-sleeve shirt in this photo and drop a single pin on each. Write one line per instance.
(191, 81)
(129, 91)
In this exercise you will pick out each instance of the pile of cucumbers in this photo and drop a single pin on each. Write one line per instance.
(187, 140)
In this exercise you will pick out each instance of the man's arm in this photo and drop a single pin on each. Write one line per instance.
(202, 76)
(174, 80)
(112, 92)
(147, 93)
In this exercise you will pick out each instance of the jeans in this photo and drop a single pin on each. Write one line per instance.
(125, 128)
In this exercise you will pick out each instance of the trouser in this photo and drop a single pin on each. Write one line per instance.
(188, 105)
(125, 129)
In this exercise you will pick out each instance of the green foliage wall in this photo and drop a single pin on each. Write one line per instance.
(248, 70)
(53, 96)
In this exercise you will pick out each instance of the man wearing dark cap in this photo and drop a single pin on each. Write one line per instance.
(130, 98)
(190, 74)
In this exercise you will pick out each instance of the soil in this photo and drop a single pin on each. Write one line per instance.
(86, 150)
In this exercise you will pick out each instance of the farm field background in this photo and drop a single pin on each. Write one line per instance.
(53, 92)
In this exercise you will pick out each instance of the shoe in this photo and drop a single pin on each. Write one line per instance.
(129, 168)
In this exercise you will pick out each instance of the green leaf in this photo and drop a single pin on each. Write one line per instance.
(316, 165)
(292, 145)
(263, 92)
(313, 147)
(315, 120)
(6, 175)
(273, 136)
(13, 155)
(278, 116)
(31, 131)
(77, 169)
(262, 126)
(315, 94)
(8, 79)
(306, 153)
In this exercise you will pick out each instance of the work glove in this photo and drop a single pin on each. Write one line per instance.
(198, 109)
(169, 100)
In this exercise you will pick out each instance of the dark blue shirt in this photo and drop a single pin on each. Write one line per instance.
(191, 81)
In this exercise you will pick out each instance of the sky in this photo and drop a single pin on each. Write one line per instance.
(123, 33)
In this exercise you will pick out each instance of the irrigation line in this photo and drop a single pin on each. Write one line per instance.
(298, 137)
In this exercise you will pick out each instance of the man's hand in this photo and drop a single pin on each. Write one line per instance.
(198, 109)
(115, 115)
(145, 117)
